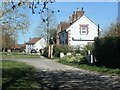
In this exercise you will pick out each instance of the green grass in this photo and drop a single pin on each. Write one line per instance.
(18, 76)
(102, 70)
(18, 55)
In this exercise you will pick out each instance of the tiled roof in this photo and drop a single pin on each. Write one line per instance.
(72, 19)
(64, 25)
(18, 46)
(33, 40)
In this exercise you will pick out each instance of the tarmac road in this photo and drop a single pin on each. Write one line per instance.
(56, 76)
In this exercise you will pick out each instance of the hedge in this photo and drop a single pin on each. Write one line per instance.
(107, 51)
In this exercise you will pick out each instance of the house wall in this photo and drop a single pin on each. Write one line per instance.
(74, 31)
(41, 44)
(63, 38)
(29, 47)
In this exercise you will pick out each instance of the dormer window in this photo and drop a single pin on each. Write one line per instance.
(84, 29)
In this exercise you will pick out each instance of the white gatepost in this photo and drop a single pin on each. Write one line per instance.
(91, 58)
(62, 55)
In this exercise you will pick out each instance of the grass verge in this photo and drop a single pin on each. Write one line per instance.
(102, 70)
(11, 55)
(18, 76)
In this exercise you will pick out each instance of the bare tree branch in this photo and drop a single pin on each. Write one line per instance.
(12, 21)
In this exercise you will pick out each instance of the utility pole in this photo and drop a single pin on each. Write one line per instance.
(47, 20)
(98, 30)
(47, 32)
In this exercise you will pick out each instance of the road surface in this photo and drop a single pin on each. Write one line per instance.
(55, 76)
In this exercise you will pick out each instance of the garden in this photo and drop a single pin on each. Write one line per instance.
(106, 54)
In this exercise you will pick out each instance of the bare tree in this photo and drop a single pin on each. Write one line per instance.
(48, 27)
(12, 20)
(113, 30)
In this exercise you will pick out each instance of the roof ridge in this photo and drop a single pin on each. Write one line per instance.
(36, 37)
(33, 40)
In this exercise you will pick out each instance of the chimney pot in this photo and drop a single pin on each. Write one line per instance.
(70, 18)
(74, 16)
(73, 12)
(82, 9)
(78, 9)
(79, 13)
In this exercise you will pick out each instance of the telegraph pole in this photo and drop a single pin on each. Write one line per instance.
(98, 30)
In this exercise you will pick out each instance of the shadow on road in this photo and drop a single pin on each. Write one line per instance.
(54, 76)
(76, 80)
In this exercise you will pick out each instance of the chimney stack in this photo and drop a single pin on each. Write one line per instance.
(71, 18)
(30, 38)
(82, 9)
(79, 13)
(76, 14)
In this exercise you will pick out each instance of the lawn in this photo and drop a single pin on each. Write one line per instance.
(11, 55)
(102, 70)
(18, 76)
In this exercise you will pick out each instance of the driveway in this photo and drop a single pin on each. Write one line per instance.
(55, 76)
(46, 64)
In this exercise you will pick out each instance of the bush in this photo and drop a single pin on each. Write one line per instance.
(61, 48)
(76, 50)
(83, 50)
(72, 59)
(107, 51)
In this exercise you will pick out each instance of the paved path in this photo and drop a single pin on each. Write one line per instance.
(55, 76)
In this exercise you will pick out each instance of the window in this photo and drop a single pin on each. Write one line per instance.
(84, 29)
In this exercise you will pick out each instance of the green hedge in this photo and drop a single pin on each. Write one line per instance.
(107, 51)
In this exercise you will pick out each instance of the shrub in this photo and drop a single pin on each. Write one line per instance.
(72, 59)
(84, 49)
(61, 48)
(107, 51)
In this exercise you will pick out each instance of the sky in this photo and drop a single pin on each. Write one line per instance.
(102, 13)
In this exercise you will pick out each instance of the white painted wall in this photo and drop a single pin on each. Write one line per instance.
(29, 47)
(41, 44)
(75, 31)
